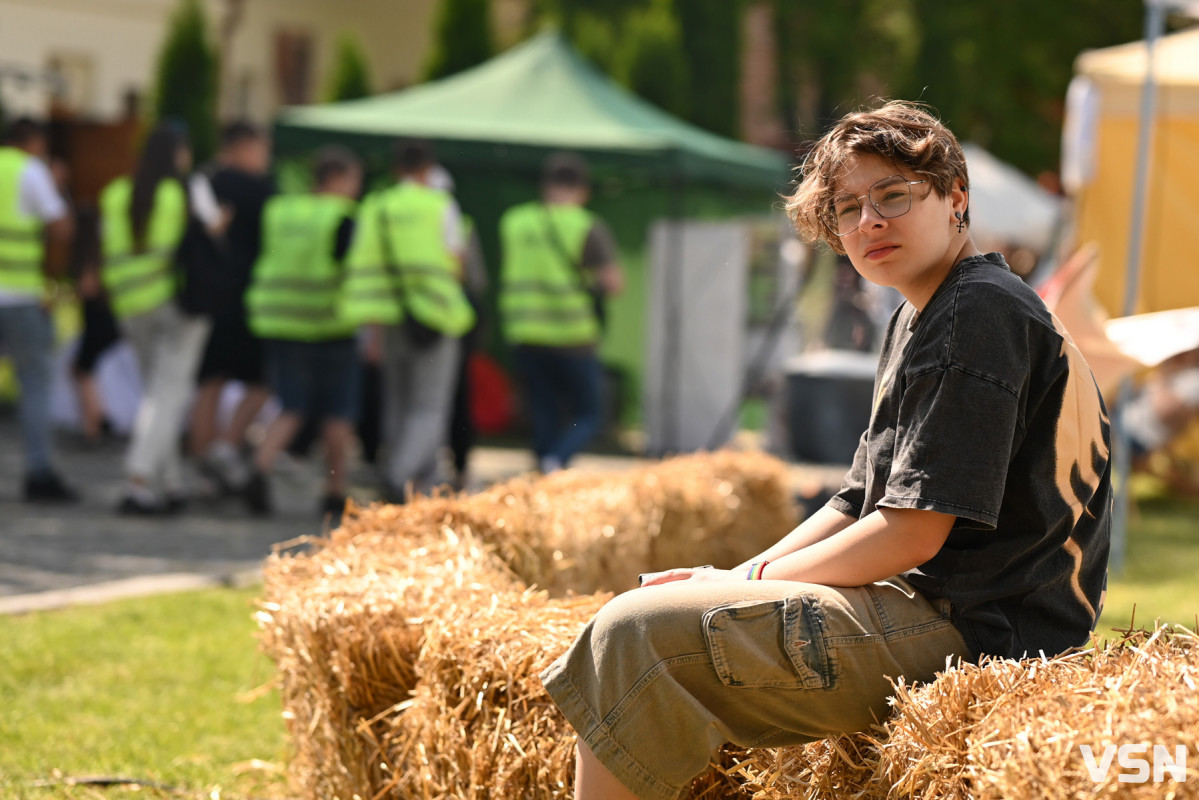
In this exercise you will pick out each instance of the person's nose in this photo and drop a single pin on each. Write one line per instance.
(870, 218)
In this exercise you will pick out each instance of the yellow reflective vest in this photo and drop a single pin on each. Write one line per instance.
(138, 282)
(295, 287)
(543, 300)
(399, 263)
(21, 249)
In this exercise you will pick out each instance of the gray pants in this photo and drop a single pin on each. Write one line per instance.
(418, 392)
(168, 345)
(28, 336)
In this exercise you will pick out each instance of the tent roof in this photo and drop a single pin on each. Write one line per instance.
(1176, 61)
(540, 94)
(1007, 205)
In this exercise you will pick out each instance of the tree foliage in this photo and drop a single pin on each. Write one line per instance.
(711, 40)
(639, 43)
(996, 72)
(463, 37)
(349, 78)
(188, 79)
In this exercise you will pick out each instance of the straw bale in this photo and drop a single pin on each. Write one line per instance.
(581, 533)
(1010, 729)
(345, 630)
(480, 725)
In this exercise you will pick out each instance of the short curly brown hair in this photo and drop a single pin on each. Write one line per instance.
(908, 135)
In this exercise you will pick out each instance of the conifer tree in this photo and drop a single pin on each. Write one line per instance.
(463, 37)
(188, 78)
(350, 77)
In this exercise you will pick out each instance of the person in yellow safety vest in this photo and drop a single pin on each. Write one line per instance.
(143, 220)
(311, 355)
(559, 261)
(404, 283)
(31, 209)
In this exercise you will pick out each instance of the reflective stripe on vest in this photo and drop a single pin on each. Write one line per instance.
(400, 260)
(294, 290)
(142, 281)
(21, 250)
(542, 297)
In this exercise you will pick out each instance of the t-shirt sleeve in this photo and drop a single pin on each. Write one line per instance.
(953, 443)
(39, 195)
(204, 203)
(599, 248)
(852, 497)
(451, 225)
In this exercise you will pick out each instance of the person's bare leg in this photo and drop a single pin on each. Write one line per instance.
(337, 435)
(593, 781)
(278, 436)
(251, 403)
(201, 432)
(91, 408)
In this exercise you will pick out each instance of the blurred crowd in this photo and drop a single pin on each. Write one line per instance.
(350, 319)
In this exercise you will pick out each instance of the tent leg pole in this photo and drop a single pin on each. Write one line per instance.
(671, 386)
(1155, 24)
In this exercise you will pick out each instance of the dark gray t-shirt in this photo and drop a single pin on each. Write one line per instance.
(986, 410)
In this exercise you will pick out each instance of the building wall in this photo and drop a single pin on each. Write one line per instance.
(106, 49)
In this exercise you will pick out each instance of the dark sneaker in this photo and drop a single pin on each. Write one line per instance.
(175, 503)
(257, 495)
(48, 487)
(133, 506)
(332, 507)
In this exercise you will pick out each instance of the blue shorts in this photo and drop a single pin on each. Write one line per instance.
(321, 380)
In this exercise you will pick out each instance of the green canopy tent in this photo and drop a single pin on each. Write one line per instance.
(494, 124)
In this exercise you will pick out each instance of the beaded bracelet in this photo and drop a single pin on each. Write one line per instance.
(755, 570)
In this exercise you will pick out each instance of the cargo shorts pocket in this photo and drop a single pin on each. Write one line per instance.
(769, 645)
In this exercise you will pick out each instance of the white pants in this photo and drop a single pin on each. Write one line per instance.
(418, 392)
(168, 345)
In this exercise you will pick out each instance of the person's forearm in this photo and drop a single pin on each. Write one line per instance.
(885, 543)
(822, 524)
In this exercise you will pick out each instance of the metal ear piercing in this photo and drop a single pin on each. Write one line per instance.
(961, 224)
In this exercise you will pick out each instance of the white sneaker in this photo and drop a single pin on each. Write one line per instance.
(223, 464)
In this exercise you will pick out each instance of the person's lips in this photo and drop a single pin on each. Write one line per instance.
(880, 250)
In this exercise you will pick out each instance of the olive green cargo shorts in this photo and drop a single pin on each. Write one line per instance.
(665, 675)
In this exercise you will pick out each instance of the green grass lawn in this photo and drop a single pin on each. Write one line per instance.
(156, 689)
(1160, 567)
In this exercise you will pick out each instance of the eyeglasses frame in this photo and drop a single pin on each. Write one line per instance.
(877, 210)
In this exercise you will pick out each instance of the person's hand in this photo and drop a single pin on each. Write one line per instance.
(690, 574)
(372, 345)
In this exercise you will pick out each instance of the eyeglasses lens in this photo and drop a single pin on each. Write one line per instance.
(891, 197)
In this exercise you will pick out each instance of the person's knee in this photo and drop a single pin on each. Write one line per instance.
(667, 618)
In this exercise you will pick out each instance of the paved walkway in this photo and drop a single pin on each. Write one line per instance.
(52, 556)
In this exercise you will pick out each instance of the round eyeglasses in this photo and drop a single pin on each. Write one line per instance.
(891, 197)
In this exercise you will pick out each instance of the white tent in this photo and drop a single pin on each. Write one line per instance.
(1007, 206)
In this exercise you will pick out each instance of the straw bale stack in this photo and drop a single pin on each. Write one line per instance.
(408, 642)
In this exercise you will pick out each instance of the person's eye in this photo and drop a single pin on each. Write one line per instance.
(845, 208)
